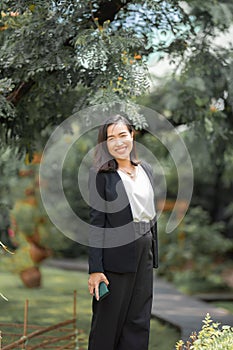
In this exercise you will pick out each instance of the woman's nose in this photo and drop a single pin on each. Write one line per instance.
(119, 142)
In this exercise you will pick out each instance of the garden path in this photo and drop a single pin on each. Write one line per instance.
(169, 305)
(182, 311)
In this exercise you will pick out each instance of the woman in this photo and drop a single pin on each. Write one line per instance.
(121, 321)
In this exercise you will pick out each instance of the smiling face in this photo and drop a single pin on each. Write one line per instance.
(119, 141)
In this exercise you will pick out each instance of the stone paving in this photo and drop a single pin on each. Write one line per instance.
(182, 311)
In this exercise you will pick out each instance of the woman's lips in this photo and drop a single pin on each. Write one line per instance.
(121, 149)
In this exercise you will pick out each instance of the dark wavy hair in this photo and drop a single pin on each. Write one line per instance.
(103, 160)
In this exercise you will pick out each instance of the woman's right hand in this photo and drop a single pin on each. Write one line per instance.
(94, 281)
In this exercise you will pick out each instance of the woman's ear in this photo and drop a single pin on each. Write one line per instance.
(132, 134)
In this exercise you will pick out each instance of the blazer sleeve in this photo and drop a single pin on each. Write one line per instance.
(97, 220)
(155, 249)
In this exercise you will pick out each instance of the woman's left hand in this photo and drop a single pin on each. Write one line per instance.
(94, 281)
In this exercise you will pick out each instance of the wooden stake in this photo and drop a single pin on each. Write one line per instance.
(75, 320)
(25, 322)
(75, 305)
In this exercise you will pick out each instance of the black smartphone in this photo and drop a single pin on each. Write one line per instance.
(103, 290)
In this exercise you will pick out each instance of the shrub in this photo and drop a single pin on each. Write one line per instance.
(192, 256)
(210, 337)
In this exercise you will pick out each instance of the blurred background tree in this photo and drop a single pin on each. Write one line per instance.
(58, 57)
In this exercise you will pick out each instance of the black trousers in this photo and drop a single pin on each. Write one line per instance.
(121, 321)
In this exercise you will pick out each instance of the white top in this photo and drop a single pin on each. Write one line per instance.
(140, 193)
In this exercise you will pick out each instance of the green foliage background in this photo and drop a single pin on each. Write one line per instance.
(58, 57)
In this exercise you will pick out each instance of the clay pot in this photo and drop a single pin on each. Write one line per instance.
(31, 277)
(35, 238)
(38, 253)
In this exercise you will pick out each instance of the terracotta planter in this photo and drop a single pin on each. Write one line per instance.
(31, 277)
(38, 253)
(35, 238)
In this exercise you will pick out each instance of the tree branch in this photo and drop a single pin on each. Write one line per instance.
(19, 92)
(108, 10)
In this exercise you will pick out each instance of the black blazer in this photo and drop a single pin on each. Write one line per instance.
(103, 215)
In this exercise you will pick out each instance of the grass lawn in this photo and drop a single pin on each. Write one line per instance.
(228, 305)
(53, 303)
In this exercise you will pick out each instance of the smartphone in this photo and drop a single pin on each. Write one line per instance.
(103, 290)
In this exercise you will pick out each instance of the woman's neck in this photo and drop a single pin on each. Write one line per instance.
(124, 163)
